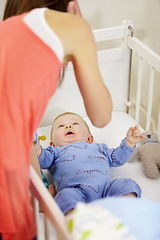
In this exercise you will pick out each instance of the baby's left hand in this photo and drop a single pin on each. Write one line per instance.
(133, 136)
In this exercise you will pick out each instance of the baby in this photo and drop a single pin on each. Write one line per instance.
(81, 168)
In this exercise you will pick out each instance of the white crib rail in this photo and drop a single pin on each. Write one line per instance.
(108, 33)
(149, 56)
(144, 52)
(51, 210)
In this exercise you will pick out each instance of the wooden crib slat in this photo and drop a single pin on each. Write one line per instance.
(46, 227)
(159, 124)
(36, 211)
(49, 206)
(108, 33)
(150, 98)
(139, 87)
(109, 55)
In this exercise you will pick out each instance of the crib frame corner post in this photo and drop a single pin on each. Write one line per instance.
(127, 55)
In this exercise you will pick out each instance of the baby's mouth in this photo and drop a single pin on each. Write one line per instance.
(69, 133)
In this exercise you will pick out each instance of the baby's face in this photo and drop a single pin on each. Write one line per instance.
(70, 128)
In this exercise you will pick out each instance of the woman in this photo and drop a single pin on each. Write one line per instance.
(34, 46)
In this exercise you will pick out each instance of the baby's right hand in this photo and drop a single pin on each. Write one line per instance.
(38, 149)
(133, 136)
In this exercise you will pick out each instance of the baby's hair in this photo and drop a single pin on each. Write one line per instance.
(66, 113)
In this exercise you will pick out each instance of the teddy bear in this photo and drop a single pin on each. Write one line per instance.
(148, 152)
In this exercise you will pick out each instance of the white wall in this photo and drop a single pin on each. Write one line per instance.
(106, 13)
(2, 5)
(144, 13)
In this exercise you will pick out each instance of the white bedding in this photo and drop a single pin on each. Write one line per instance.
(112, 135)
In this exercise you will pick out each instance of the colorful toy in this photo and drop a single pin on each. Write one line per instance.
(36, 138)
(43, 137)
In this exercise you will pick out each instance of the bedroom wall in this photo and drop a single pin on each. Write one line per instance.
(144, 14)
(106, 13)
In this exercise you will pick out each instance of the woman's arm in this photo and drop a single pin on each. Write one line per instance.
(80, 48)
(95, 94)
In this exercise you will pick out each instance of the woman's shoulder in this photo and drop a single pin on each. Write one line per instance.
(73, 31)
(70, 19)
(67, 25)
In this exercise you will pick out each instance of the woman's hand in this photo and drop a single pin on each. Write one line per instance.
(73, 8)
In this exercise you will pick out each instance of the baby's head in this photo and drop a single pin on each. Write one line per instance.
(68, 128)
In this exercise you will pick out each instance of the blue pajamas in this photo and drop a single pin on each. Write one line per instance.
(82, 172)
(121, 187)
(69, 197)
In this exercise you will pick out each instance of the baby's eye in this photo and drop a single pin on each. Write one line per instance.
(75, 123)
(60, 126)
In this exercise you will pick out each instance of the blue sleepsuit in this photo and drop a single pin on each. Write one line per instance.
(82, 172)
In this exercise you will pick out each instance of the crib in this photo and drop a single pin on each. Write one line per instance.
(131, 71)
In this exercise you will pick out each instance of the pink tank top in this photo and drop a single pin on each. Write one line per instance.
(29, 72)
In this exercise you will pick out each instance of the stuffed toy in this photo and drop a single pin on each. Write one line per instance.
(149, 153)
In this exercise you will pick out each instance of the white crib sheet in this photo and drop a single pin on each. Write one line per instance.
(112, 135)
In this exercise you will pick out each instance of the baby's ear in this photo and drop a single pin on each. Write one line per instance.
(52, 144)
(90, 139)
